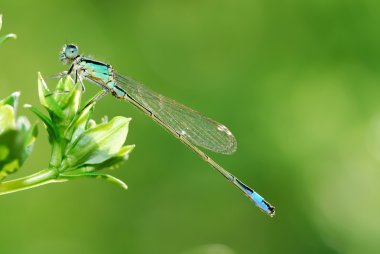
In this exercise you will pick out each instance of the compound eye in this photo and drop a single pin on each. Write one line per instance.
(71, 51)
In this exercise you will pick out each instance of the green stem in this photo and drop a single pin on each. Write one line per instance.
(43, 177)
(56, 154)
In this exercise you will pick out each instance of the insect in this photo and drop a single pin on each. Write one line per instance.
(190, 127)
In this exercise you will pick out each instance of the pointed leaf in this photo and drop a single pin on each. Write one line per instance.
(80, 123)
(98, 144)
(29, 139)
(11, 100)
(50, 127)
(68, 96)
(115, 160)
(106, 177)
(7, 118)
(3, 38)
(47, 100)
(6, 37)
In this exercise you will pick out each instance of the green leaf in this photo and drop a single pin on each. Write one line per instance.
(50, 127)
(80, 123)
(29, 139)
(13, 151)
(68, 97)
(11, 100)
(106, 177)
(63, 87)
(8, 168)
(47, 100)
(16, 136)
(4, 38)
(111, 163)
(115, 160)
(7, 118)
(97, 144)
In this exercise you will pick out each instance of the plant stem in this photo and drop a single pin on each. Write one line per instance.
(56, 154)
(43, 177)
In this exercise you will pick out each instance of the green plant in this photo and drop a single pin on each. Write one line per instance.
(79, 146)
(5, 37)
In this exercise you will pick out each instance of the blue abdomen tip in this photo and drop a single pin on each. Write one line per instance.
(262, 204)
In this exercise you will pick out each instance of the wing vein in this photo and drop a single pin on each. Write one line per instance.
(196, 128)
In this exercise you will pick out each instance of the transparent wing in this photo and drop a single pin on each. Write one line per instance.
(196, 128)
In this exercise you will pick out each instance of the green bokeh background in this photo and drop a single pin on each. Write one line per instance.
(298, 83)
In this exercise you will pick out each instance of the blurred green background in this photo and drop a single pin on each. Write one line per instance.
(298, 83)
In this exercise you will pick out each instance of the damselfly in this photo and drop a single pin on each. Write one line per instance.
(189, 126)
